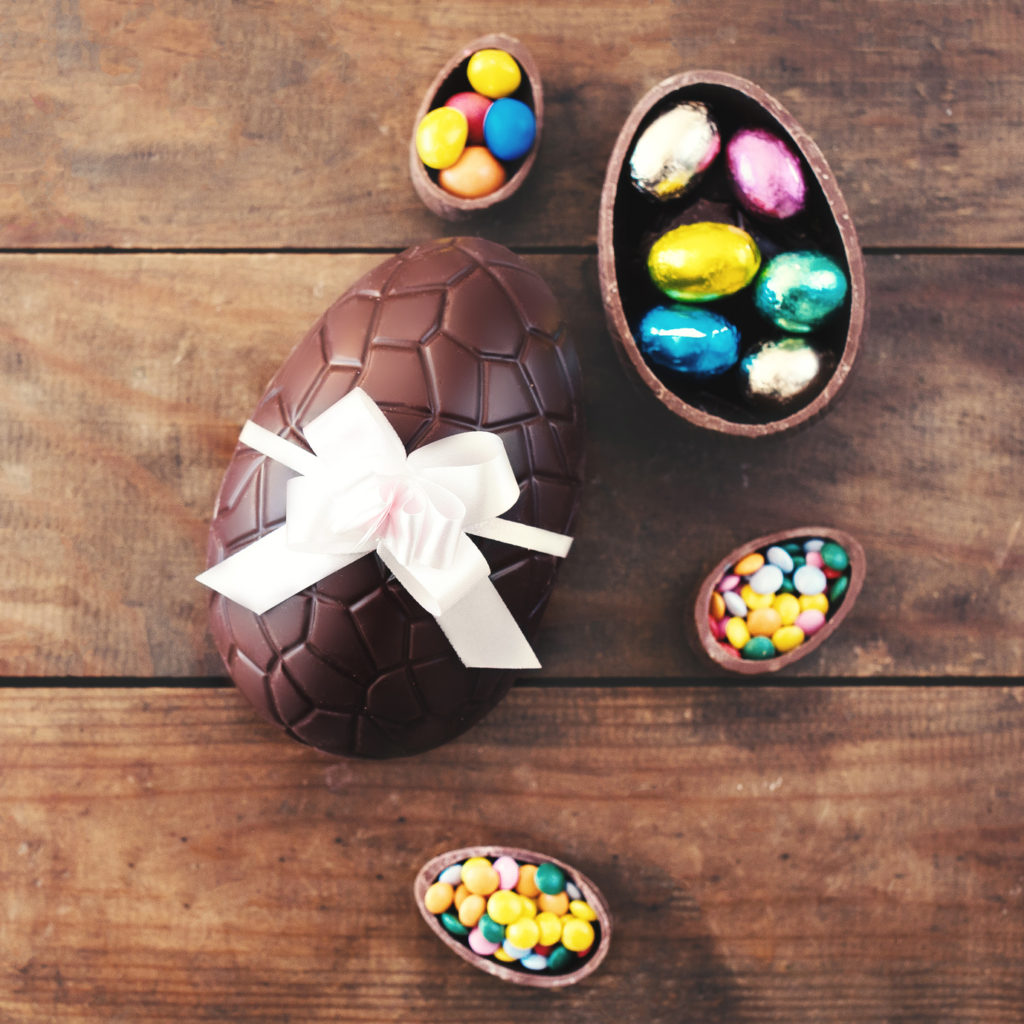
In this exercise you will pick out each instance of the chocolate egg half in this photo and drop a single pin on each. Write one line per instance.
(629, 222)
(579, 965)
(454, 335)
(731, 579)
(452, 80)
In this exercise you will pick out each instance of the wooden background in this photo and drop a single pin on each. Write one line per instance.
(184, 186)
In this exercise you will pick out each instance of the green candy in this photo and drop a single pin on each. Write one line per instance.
(491, 930)
(453, 925)
(798, 560)
(550, 879)
(559, 958)
(758, 648)
(793, 548)
(838, 590)
(834, 556)
(788, 586)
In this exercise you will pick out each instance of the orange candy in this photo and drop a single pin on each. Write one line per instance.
(557, 904)
(480, 879)
(717, 605)
(439, 897)
(749, 564)
(526, 886)
(763, 621)
(475, 174)
(472, 910)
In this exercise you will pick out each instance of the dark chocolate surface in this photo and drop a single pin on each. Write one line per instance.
(449, 336)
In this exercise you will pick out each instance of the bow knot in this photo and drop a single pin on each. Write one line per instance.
(359, 492)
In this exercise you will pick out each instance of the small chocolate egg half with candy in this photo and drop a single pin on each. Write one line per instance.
(525, 917)
(777, 598)
(477, 179)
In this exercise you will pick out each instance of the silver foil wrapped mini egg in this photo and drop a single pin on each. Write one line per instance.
(674, 150)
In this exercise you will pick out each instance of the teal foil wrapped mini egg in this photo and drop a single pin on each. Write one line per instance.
(798, 291)
(689, 340)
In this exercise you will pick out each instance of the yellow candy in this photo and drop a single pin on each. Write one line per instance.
(526, 885)
(556, 904)
(441, 137)
(819, 602)
(505, 906)
(787, 637)
(702, 262)
(524, 933)
(736, 632)
(749, 564)
(493, 73)
(787, 606)
(754, 599)
(500, 954)
(577, 935)
(529, 906)
(479, 878)
(582, 910)
(550, 928)
(438, 898)
(472, 910)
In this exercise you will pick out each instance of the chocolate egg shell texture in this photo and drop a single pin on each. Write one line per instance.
(628, 223)
(711, 650)
(451, 80)
(453, 335)
(603, 925)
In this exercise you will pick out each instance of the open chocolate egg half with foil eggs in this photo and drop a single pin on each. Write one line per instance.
(488, 171)
(731, 275)
(525, 917)
(777, 598)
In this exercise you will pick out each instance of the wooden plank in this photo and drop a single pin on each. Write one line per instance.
(278, 124)
(126, 379)
(770, 855)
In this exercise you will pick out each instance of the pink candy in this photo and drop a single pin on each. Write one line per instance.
(508, 872)
(810, 620)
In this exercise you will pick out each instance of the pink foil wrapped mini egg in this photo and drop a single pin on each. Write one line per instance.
(766, 174)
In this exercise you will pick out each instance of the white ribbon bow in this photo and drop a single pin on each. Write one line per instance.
(359, 492)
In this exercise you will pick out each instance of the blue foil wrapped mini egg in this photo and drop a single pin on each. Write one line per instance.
(798, 291)
(689, 340)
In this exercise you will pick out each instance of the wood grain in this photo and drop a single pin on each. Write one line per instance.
(271, 124)
(126, 379)
(795, 855)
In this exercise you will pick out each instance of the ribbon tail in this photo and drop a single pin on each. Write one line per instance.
(533, 538)
(483, 632)
(267, 572)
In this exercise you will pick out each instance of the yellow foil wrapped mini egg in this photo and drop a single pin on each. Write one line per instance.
(703, 261)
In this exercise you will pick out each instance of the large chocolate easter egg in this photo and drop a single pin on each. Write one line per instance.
(454, 335)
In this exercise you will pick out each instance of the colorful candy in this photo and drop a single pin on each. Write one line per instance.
(798, 291)
(441, 137)
(674, 151)
(688, 340)
(704, 261)
(778, 372)
(527, 915)
(766, 174)
(468, 137)
(769, 602)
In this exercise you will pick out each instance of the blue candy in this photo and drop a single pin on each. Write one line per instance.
(509, 129)
(689, 340)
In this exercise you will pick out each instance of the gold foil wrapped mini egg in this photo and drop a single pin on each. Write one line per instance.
(703, 262)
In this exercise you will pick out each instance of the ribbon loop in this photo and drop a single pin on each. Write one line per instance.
(358, 491)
